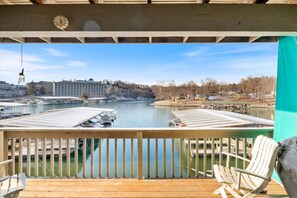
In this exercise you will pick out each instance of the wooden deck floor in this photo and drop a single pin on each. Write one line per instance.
(128, 188)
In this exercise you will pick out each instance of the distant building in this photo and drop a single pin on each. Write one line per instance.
(78, 88)
(10, 90)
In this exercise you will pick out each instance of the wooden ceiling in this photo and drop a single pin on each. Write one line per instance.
(148, 21)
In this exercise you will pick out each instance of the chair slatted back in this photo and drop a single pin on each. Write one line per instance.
(264, 153)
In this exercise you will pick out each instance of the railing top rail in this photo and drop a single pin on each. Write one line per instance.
(132, 132)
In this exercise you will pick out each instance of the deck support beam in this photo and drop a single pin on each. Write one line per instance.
(154, 20)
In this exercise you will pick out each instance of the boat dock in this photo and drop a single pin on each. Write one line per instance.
(7, 112)
(207, 118)
(227, 105)
(61, 118)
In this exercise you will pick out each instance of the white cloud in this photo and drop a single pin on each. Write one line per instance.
(226, 49)
(10, 67)
(76, 64)
(196, 52)
(54, 52)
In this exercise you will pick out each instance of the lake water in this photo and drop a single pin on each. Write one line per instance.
(132, 115)
(136, 113)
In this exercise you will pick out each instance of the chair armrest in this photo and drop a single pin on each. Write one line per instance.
(4, 178)
(236, 156)
(250, 173)
(5, 162)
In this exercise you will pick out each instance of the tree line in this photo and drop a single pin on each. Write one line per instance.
(129, 90)
(249, 87)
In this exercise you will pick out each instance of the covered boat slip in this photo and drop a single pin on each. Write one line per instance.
(206, 118)
(59, 118)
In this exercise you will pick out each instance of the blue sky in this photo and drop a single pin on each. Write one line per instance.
(138, 63)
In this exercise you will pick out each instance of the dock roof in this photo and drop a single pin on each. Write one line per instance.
(11, 104)
(61, 118)
(206, 118)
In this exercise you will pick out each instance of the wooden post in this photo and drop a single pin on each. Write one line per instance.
(2, 153)
(139, 153)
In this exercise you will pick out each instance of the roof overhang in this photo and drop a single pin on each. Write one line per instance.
(148, 23)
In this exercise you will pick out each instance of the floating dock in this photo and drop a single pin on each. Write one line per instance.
(227, 105)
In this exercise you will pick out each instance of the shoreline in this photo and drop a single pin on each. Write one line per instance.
(201, 104)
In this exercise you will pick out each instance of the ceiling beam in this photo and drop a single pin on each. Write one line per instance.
(156, 20)
(248, 1)
(261, 1)
(253, 38)
(115, 39)
(219, 39)
(96, 1)
(43, 1)
(185, 39)
(81, 39)
(94, 34)
(19, 40)
(150, 39)
(46, 39)
(5, 2)
(156, 17)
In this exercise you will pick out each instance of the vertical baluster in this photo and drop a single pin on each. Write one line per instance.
(148, 158)
(197, 158)
(52, 159)
(172, 157)
(12, 150)
(116, 157)
(204, 157)
(180, 157)
(229, 145)
(29, 157)
(139, 153)
(68, 157)
(84, 156)
(132, 157)
(221, 150)
(92, 157)
(189, 157)
(124, 157)
(107, 157)
(244, 151)
(212, 155)
(164, 152)
(237, 151)
(157, 170)
(100, 158)
(60, 158)
(20, 159)
(36, 158)
(44, 157)
(76, 157)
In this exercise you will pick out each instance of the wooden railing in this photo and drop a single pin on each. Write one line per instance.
(140, 153)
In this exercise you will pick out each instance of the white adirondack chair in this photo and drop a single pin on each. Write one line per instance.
(255, 178)
(10, 186)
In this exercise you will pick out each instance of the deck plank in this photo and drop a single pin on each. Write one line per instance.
(129, 188)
